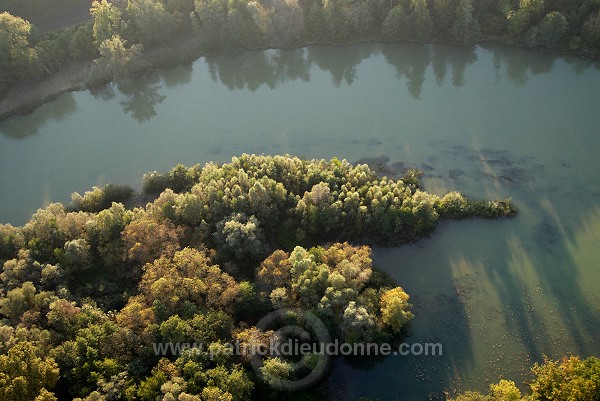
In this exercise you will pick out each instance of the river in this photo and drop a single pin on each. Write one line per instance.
(489, 121)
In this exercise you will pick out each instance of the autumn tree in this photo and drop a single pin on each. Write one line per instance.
(395, 309)
(568, 378)
(145, 239)
(188, 278)
(274, 272)
(25, 375)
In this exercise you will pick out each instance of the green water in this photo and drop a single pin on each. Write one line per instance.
(488, 121)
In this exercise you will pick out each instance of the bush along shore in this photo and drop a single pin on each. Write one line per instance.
(88, 291)
(125, 38)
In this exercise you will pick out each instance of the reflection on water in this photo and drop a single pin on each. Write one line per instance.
(271, 68)
(19, 127)
(251, 70)
(142, 97)
(489, 121)
(340, 62)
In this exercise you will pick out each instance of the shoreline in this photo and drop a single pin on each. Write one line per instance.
(26, 96)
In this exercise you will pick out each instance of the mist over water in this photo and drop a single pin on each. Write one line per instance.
(488, 121)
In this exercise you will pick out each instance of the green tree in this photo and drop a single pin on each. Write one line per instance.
(243, 29)
(25, 375)
(396, 24)
(591, 32)
(212, 393)
(285, 23)
(18, 301)
(422, 24)
(528, 13)
(234, 381)
(548, 32)
(357, 324)
(17, 58)
(118, 61)
(11, 240)
(443, 12)
(107, 21)
(466, 27)
(209, 20)
(275, 370)
(241, 236)
(152, 22)
(412, 23)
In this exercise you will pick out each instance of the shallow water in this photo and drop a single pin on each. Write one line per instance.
(488, 121)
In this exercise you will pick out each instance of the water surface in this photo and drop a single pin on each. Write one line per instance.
(488, 121)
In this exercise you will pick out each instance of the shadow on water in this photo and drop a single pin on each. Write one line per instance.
(441, 317)
(536, 267)
(19, 127)
(499, 295)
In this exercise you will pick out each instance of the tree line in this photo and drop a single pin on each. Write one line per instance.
(569, 378)
(120, 31)
(86, 290)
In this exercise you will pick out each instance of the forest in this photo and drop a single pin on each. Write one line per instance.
(88, 289)
(124, 38)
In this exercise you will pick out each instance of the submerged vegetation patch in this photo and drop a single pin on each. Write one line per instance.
(88, 292)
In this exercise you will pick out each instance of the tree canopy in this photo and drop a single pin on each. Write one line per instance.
(88, 292)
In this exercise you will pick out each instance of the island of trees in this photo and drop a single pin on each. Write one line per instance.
(127, 37)
(86, 290)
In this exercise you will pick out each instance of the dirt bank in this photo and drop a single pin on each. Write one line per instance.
(27, 95)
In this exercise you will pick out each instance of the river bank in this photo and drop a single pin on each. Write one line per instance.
(28, 95)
